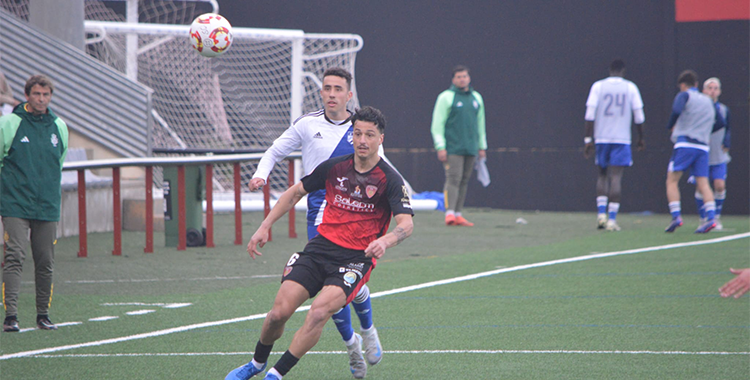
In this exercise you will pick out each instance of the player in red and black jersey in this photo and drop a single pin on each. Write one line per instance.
(362, 192)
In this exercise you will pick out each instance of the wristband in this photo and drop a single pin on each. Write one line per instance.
(588, 140)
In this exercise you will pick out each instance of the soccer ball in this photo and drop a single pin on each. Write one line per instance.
(210, 34)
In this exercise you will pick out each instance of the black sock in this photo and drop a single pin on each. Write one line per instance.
(39, 317)
(286, 363)
(262, 351)
(11, 318)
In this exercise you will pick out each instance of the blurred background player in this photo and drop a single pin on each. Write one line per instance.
(33, 145)
(613, 104)
(7, 101)
(458, 131)
(321, 135)
(692, 120)
(718, 154)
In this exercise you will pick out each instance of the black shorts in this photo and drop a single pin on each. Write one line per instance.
(324, 263)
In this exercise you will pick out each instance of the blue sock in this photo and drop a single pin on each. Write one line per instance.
(601, 204)
(343, 321)
(710, 210)
(719, 199)
(699, 204)
(675, 209)
(364, 312)
(614, 208)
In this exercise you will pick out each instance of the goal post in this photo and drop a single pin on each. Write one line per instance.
(243, 99)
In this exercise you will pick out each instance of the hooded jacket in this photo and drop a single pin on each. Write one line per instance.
(32, 151)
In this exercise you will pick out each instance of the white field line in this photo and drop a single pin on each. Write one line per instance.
(139, 280)
(378, 294)
(414, 352)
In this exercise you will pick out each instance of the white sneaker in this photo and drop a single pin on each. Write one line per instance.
(373, 349)
(601, 221)
(719, 226)
(612, 225)
(356, 360)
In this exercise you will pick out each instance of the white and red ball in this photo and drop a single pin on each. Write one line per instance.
(210, 34)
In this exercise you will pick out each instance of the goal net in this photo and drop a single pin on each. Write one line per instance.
(243, 99)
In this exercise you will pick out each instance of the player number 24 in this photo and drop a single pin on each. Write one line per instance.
(618, 100)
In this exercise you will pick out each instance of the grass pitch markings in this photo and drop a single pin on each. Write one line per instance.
(379, 294)
(407, 352)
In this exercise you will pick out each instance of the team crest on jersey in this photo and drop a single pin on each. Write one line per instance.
(55, 140)
(287, 270)
(357, 192)
(350, 137)
(460, 104)
(476, 104)
(370, 190)
(341, 186)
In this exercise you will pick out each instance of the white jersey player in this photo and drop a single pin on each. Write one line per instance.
(614, 103)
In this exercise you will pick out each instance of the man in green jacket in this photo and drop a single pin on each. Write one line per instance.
(33, 144)
(458, 130)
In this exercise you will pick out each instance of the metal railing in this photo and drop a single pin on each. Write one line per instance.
(180, 162)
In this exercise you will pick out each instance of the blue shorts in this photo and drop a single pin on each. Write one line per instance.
(613, 155)
(694, 160)
(717, 172)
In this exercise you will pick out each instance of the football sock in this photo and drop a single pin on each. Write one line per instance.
(343, 321)
(614, 207)
(675, 209)
(458, 214)
(450, 212)
(262, 352)
(275, 373)
(601, 204)
(710, 210)
(363, 307)
(719, 198)
(285, 364)
(699, 204)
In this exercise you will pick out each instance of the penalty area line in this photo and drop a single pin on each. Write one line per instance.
(375, 295)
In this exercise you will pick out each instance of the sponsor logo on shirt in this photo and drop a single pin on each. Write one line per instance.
(357, 192)
(341, 186)
(318, 136)
(25, 139)
(354, 205)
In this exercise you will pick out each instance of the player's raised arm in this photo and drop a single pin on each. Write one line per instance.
(285, 203)
(404, 228)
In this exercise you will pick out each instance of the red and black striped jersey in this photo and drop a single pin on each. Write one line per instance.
(358, 205)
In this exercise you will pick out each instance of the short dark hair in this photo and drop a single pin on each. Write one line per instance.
(617, 66)
(38, 80)
(689, 77)
(339, 72)
(370, 114)
(458, 69)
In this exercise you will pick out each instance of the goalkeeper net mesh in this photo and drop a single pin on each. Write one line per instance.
(241, 100)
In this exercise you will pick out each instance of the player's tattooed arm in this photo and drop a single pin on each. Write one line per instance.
(400, 235)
